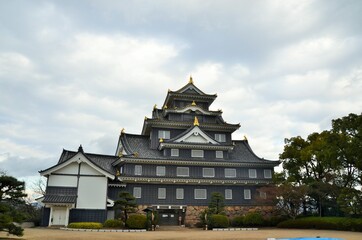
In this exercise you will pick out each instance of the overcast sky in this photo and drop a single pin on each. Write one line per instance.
(76, 72)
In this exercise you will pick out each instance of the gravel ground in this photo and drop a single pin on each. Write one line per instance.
(263, 234)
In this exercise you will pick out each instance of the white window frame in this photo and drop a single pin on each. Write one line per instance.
(262, 195)
(252, 173)
(228, 194)
(160, 171)
(175, 152)
(138, 170)
(137, 192)
(220, 137)
(267, 173)
(179, 193)
(182, 175)
(219, 154)
(204, 172)
(164, 134)
(197, 153)
(247, 194)
(230, 170)
(161, 193)
(202, 192)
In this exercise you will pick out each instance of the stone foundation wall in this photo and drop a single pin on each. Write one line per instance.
(193, 212)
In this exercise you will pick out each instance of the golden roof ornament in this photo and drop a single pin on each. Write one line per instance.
(118, 173)
(245, 138)
(191, 80)
(193, 103)
(120, 154)
(136, 154)
(161, 140)
(196, 122)
(155, 107)
(146, 118)
(165, 107)
(122, 131)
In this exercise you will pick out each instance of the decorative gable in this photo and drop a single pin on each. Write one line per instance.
(196, 135)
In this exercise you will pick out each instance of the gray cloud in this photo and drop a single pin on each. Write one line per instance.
(76, 72)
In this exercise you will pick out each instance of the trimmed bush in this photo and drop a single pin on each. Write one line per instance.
(219, 221)
(86, 225)
(330, 223)
(237, 221)
(113, 223)
(253, 219)
(136, 221)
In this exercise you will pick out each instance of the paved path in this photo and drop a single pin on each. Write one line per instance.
(198, 234)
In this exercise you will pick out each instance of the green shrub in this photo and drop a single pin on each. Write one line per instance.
(218, 221)
(253, 219)
(237, 221)
(86, 225)
(329, 223)
(113, 223)
(136, 221)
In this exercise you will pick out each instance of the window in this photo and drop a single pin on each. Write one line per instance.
(197, 153)
(219, 154)
(200, 193)
(208, 172)
(174, 152)
(228, 194)
(137, 192)
(252, 173)
(262, 195)
(164, 134)
(160, 170)
(230, 172)
(162, 193)
(247, 194)
(220, 137)
(179, 193)
(267, 173)
(138, 170)
(182, 171)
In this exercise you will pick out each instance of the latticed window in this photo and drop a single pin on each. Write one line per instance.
(197, 153)
(219, 154)
(220, 137)
(164, 134)
(230, 172)
(252, 173)
(162, 193)
(267, 173)
(137, 170)
(208, 172)
(247, 194)
(179, 193)
(160, 170)
(182, 171)
(228, 194)
(137, 192)
(174, 152)
(200, 193)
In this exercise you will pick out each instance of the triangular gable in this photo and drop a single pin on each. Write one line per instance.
(196, 135)
(78, 158)
(190, 88)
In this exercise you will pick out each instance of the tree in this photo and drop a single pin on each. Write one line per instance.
(350, 201)
(349, 144)
(12, 194)
(126, 203)
(216, 204)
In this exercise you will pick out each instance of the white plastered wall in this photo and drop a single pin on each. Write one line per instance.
(69, 169)
(62, 181)
(92, 192)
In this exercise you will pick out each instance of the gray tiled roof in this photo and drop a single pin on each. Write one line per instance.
(59, 199)
(100, 160)
(60, 195)
(141, 145)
